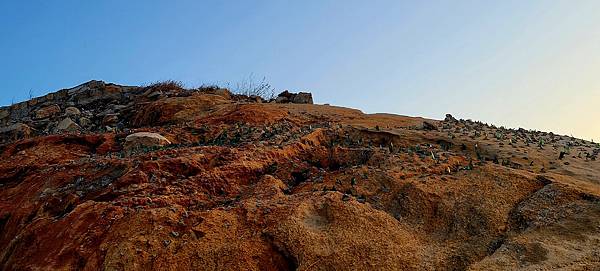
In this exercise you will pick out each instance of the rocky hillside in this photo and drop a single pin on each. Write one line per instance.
(109, 177)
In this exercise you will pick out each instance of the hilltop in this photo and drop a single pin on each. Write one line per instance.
(103, 176)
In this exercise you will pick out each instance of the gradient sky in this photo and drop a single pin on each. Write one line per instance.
(531, 64)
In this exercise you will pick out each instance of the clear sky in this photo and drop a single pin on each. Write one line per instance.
(531, 64)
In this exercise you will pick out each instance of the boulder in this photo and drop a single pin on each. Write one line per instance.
(46, 112)
(94, 91)
(450, 118)
(67, 125)
(223, 93)
(256, 99)
(429, 126)
(297, 98)
(15, 131)
(284, 97)
(303, 98)
(72, 111)
(145, 139)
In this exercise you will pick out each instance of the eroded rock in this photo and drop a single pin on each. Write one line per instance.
(47, 112)
(450, 118)
(296, 98)
(15, 131)
(67, 125)
(145, 139)
(429, 126)
(72, 111)
(4, 114)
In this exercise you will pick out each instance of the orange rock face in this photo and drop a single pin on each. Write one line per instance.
(268, 186)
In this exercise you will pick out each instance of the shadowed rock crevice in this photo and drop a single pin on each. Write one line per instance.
(3, 220)
(14, 176)
(283, 260)
(517, 219)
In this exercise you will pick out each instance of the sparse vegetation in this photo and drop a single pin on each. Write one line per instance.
(166, 85)
(418, 177)
(252, 86)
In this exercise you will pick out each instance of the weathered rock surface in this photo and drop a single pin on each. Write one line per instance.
(67, 125)
(48, 111)
(450, 118)
(72, 111)
(145, 139)
(242, 185)
(4, 114)
(15, 132)
(429, 126)
(297, 98)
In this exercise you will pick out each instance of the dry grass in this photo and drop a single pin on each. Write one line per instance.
(166, 85)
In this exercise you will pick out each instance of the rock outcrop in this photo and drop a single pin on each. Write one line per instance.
(83, 105)
(450, 118)
(296, 98)
(108, 177)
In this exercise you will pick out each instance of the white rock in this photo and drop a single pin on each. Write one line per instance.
(145, 139)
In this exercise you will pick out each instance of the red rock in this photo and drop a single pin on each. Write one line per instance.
(268, 186)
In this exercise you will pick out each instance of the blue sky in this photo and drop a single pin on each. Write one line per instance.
(532, 64)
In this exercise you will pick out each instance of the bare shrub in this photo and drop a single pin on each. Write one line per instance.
(166, 85)
(252, 86)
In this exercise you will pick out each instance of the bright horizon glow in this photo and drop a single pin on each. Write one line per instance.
(532, 64)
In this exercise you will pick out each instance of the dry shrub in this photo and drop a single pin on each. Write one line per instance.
(166, 86)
